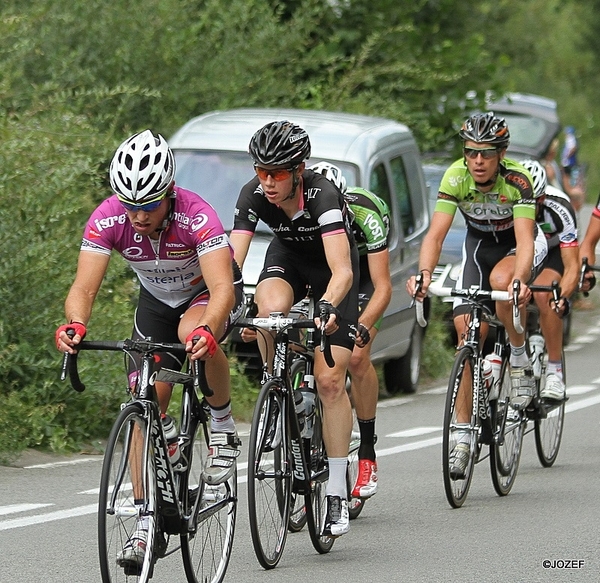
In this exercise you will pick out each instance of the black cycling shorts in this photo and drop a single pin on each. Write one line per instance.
(554, 261)
(301, 271)
(480, 256)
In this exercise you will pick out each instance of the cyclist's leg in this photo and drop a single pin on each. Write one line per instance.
(552, 327)
(220, 463)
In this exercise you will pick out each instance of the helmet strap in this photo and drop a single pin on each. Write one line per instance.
(292, 193)
(169, 215)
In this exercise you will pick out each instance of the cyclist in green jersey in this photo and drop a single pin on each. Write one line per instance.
(495, 195)
(370, 226)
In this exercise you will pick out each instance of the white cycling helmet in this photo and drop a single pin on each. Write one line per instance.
(331, 172)
(142, 169)
(538, 173)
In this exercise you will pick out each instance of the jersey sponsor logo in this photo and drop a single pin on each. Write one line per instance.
(308, 229)
(175, 245)
(91, 246)
(183, 253)
(109, 222)
(134, 253)
(569, 237)
(312, 193)
(214, 242)
(373, 224)
(457, 180)
(519, 181)
(280, 229)
(198, 222)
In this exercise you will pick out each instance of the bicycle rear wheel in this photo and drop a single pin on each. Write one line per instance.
(508, 427)
(549, 426)
(127, 493)
(463, 370)
(269, 475)
(211, 515)
(319, 476)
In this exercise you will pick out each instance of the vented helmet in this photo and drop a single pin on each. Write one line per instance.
(331, 172)
(538, 173)
(486, 128)
(142, 168)
(280, 143)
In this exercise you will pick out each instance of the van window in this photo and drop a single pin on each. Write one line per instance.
(403, 196)
(378, 183)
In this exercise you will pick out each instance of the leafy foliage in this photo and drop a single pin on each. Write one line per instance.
(80, 75)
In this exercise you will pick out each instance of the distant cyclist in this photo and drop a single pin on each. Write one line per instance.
(557, 220)
(313, 245)
(495, 196)
(370, 225)
(190, 287)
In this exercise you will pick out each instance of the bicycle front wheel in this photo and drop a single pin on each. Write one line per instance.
(458, 430)
(127, 499)
(508, 428)
(319, 476)
(549, 427)
(269, 475)
(210, 512)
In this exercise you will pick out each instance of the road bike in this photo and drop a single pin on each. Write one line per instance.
(489, 421)
(138, 481)
(287, 461)
(547, 415)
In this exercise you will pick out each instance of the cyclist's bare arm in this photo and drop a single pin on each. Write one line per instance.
(240, 241)
(218, 276)
(91, 268)
(430, 251)
(524, 229)
(592, 236)
(570, 279)
(379, 271)
(337, 254)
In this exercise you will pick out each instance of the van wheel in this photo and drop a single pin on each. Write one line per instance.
(402, 374)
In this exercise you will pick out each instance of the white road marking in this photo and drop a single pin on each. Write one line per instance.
(16, 508)
(579, 389)
(65, 463)
(51, 516)
(414, 432)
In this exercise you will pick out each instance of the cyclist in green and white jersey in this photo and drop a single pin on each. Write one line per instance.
(370, 226)
(495, 195)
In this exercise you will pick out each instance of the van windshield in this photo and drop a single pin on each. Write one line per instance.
(219, 176)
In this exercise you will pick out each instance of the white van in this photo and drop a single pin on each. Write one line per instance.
(211, 153)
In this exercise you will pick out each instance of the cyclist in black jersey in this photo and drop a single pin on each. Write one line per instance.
(370, 226)
(557, 219)
(313, 245)
(495, 195)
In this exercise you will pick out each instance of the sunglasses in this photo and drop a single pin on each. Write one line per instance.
(278, 174)
(486, 153)
(146, 208)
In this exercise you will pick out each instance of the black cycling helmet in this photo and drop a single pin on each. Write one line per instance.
(487, 128)
(280, 143)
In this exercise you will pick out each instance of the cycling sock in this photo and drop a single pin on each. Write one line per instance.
(221, 419)
(518, 356)
(336, 486)
(464, 437)
(555, 367)
(366, 451)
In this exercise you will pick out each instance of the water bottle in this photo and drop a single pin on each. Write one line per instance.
(496, 363)
(536, 347)
(308, 397)
(299, 404)
(172, 437)
(488, 374)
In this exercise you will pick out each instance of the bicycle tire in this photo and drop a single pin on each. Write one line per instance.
(117, 511)
(319, 476)
(457, 489)
(355, 505)
(269, 475)
(298, 516)
(211, 511)
(507, 445)
(548, 430)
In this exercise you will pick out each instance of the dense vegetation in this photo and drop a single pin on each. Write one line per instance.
(80, 75)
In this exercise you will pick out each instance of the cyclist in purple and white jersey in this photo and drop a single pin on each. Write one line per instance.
(190, 284)
(313, 245)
